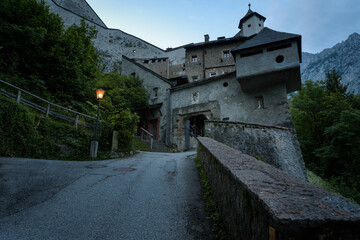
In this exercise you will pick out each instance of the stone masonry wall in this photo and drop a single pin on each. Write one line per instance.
(259, 201)
(215, 61)
(110, 43)
(277, 146)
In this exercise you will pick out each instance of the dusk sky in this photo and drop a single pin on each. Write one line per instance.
(322, 23)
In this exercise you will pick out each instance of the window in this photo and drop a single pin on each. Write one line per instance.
(195, 78)
(212, 74)
(226, 53)
(155, 92)
(194, 58)
(279, 59)
(260, 101)
(225, 84)
(146, 61)
(249, 25)
(259, 24)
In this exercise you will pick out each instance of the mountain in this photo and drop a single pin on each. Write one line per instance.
(344, 57)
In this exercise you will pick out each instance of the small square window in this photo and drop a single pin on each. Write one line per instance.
(155, 92)
(260, 101)
(194, 58)
(226, 53)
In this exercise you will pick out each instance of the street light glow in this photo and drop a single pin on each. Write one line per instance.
(100, 93)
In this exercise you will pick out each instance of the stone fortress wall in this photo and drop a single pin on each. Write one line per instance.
(111, 43)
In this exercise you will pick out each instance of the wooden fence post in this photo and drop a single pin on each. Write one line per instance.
(48, 110)
(77, 120)
(18, 96)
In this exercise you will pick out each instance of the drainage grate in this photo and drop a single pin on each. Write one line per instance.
(96, 166)
(124, 169)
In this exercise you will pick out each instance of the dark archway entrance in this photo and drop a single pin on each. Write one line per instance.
(197, 126)
(194, 127)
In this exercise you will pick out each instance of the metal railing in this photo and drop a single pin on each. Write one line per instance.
(149, 134)
(45, 110)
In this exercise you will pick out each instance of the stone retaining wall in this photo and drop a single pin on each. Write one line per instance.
(277, 146)
(259, 201)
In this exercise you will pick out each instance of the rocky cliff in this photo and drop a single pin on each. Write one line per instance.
(344, 56)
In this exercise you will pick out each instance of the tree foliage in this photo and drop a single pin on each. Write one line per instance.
(40, 55)
(125, 91)
(327, 121)
(122, 94)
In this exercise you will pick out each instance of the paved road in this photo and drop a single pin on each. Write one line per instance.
(147, 196)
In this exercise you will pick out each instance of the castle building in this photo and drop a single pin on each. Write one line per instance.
(241, 79)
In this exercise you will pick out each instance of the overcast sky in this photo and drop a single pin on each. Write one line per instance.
(172, 23)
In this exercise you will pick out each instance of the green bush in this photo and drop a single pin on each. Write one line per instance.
(27, 134)
(17, 130)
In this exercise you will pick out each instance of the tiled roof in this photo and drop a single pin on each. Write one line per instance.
(267, 36)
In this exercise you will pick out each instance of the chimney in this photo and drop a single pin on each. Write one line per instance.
(207, 38)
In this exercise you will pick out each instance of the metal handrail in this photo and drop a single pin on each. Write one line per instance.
(49, 103)
(44, 109)
(151, 136)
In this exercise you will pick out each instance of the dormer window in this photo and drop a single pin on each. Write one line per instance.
(194, 59)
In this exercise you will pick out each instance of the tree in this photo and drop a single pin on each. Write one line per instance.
(39, 55)
(125, 91)
(306, 109)
(327, 124)
(333, 82)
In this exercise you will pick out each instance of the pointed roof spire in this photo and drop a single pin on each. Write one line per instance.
(249, 14)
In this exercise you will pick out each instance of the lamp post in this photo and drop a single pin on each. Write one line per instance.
(94, 142)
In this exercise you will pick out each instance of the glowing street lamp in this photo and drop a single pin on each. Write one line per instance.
(100, 93)
(94, 142)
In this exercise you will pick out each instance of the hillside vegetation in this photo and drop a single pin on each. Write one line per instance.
(327, 120)
(61, 65)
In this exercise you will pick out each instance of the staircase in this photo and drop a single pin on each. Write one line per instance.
(159, 146)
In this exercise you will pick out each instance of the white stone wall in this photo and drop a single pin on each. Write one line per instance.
(256, 25)
(266, 62)
(222, 98)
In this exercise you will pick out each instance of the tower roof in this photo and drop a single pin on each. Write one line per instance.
(248, 15)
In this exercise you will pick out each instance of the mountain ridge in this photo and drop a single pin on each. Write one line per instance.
(343, 56)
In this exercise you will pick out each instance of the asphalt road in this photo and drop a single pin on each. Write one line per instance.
(147, 196)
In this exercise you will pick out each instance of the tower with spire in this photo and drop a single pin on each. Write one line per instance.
(252, 23)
